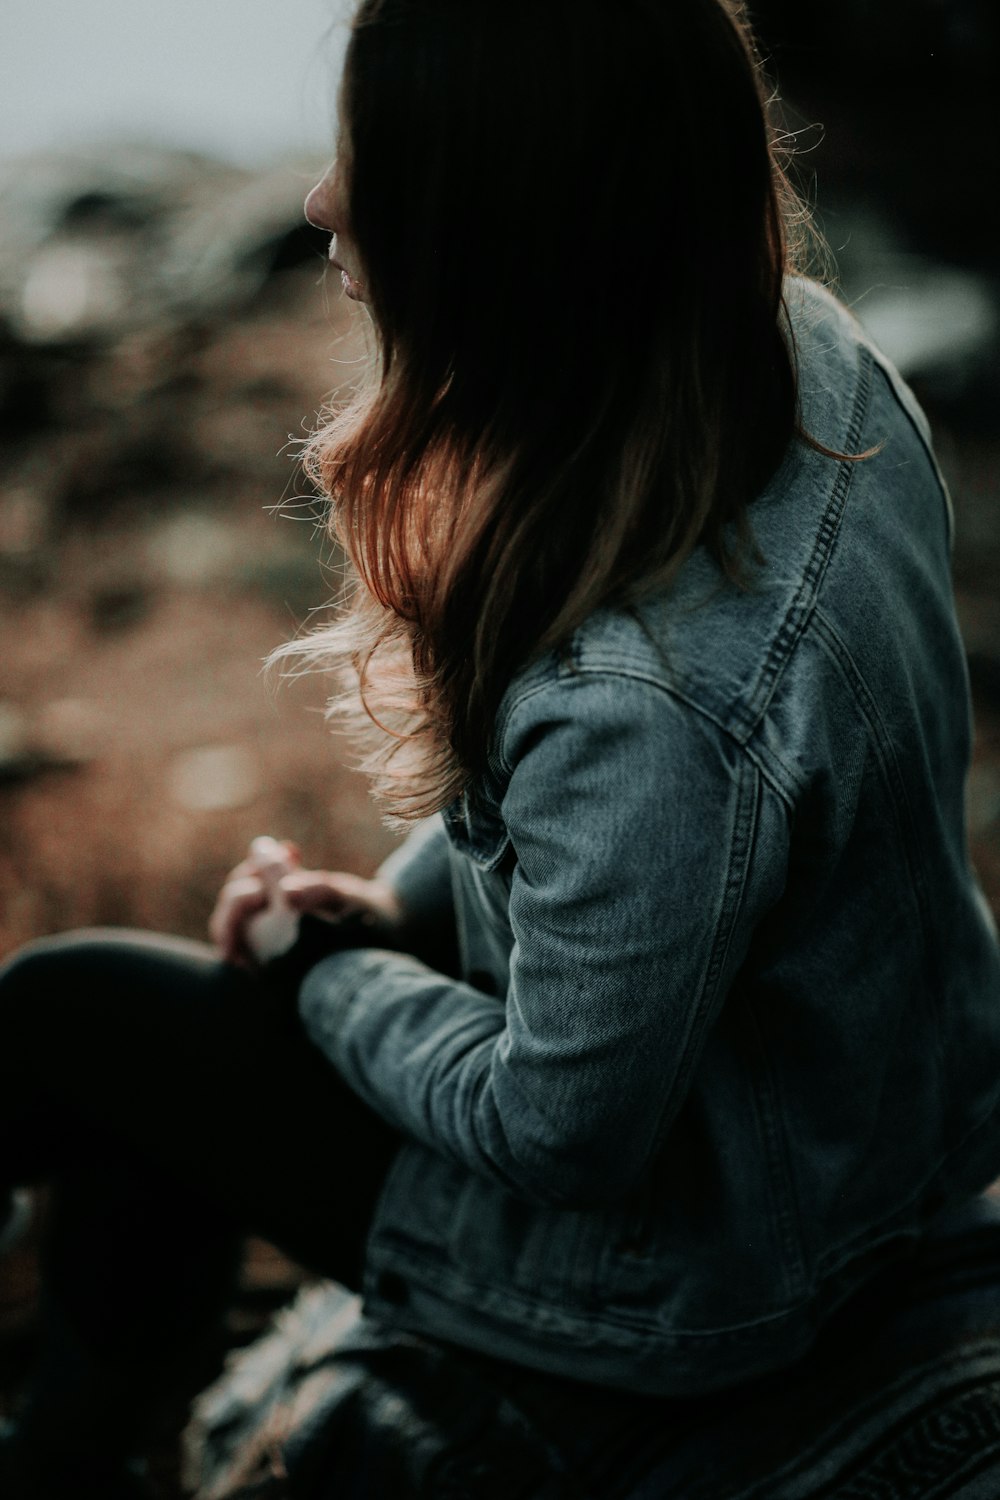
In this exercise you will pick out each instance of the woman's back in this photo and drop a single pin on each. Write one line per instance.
(717, 866)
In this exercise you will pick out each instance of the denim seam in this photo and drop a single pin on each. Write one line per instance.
(794, 623)
(517, 703)
(431, 1269)
(527, 1168)
(434, 1272)
(618, 672)
(839, 654)
(740, 849)
(797, 617)
(879, 1234)
(779, 1170)
(904, 407)
(769, 764)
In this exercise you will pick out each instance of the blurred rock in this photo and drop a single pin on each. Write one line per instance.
(17, 757)
(24, 521)
(120, 606)
(940, 324)
(93, 244)
(82, 235)
(63, 735)
(984, 674)
(944, 41)
(982, 798)
(69, 731)
(286, 575)
(193, 549)
(934, 318)
(224, 253)
(72, 291)
(141, 350)
(214, 777)
(24, 529)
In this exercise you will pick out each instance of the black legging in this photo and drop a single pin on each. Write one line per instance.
(175, 1105)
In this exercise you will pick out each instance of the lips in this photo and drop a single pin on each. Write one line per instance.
(352, 287)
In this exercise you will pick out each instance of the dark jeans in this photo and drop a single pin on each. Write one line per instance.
(174, 1104)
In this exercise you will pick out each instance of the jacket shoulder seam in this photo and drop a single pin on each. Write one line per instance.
(617, 674)
(798, 614)
(896, 387)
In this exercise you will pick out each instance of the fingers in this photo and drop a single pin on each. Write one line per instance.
(243, 894)
(334, 895)
(238, 901)
(323, 891)
(251, 865)
(270, 850)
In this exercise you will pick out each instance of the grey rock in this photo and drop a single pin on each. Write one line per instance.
(95, 243)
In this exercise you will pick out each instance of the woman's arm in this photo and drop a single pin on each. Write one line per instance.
(419, 872)
(418, 875)
(639, 877)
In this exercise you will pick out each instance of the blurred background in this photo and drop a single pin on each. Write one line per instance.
(167, 334)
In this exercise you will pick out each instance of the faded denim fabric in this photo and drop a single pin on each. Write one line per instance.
(729, 1031)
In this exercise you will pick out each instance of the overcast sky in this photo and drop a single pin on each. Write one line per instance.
(247, 79)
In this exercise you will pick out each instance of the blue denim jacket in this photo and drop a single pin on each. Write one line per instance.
(728, 1035)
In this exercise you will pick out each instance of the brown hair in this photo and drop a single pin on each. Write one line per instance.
(574, 227)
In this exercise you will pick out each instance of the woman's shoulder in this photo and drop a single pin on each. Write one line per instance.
(708, 647)
(625, 662)
(835, 359)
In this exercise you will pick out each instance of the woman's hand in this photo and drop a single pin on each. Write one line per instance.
(331, 895)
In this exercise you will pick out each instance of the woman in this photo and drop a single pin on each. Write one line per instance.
(681, 1020)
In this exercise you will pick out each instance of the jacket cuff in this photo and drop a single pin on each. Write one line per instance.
(332, 985)
(318, 939)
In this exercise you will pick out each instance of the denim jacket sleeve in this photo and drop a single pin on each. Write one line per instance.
(419, 872)
(636, 881)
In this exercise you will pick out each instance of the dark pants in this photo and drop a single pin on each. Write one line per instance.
(174, 1105)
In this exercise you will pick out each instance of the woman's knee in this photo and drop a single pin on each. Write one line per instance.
(46, 961)
(55, 978)
(31, 967)
(114, 1030)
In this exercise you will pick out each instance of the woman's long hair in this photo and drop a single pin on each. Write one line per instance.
(574, 228)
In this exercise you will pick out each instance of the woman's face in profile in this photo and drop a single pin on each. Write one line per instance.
(326, 207)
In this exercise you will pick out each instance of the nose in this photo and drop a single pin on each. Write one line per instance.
(320, 205)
